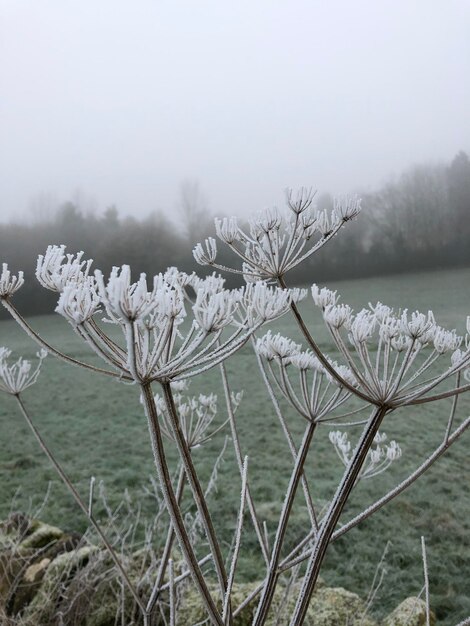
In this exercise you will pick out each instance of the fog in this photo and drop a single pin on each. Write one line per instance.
(118, 102)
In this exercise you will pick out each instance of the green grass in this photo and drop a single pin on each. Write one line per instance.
(96, 427)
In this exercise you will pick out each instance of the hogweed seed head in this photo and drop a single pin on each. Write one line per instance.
(347, 207)
(78, 302)
(276, 346)
(337, 315)
(446, 340)
(302, 200)
(378, 458)
(382, 312)
(208, 255)
(213, 311)
(55, 269)
(18, 376)
(362, 326)
(125, 300)
(9, 284)
(417, 325)
(323, 297)
(265, 222)
(227, 229)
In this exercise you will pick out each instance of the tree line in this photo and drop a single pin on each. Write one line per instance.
(419, 221)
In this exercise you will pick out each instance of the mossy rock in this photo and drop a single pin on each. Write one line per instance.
(335, 606)
(411, 612)
(101, 603)
(30, 582)
(192, 611)
(42, 535)
(27, 547)
(329, 607)
(44, 606)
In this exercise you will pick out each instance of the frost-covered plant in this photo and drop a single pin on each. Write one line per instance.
(179, 326)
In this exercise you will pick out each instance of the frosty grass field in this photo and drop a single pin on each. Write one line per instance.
(105, 434)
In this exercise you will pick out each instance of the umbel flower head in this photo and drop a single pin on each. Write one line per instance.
(78, 302)
(196, 414)
(272, 245)
(55, 269)
(315, 392)
(389, 353)
(151, 315)
(9, 284)
(379, 457)
(18, 376)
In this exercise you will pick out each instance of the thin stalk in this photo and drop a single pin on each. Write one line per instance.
(273, 573)
(236, 549)
(172, 594)
(290, 441)
(187, 573)
(238, 454)
(196, 489)
(332, 516)
(44, 344)
(173, 507)
(440, 396)
(319, 354)
(84, 508)
(166, 550)
(426, 581)
(452, 410)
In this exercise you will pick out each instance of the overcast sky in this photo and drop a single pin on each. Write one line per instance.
(119, 101)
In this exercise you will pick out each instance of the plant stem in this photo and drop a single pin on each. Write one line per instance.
(166, 550)
(238, 454)
(41, 342)
(335, 509)
(197, 491)
(273, 574)
(173, 506)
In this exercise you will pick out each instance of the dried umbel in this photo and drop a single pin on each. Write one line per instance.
(17, 376)
(379, 457)
(9, 284)
(389, 354)
(197, 414)
(55, 269)
(274, 244)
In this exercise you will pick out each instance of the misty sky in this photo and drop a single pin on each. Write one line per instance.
(118, 101)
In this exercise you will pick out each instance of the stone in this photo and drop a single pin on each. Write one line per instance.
(411, 612)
